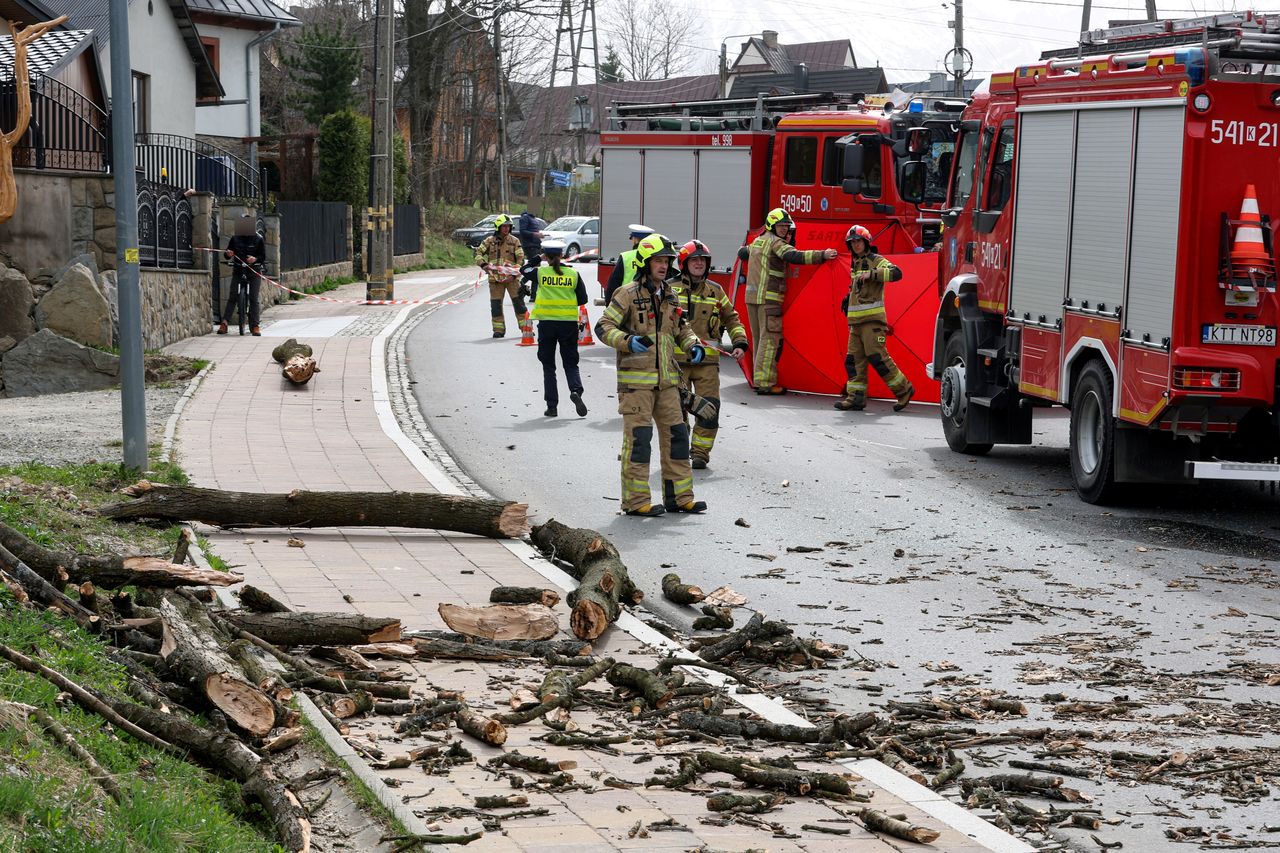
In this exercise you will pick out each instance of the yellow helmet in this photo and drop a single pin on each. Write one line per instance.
(654, 246)
(502, 219)
(776, 216)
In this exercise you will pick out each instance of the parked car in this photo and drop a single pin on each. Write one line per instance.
(475, 234)
(578, 233)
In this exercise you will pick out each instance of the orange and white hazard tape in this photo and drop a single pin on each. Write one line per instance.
(273, 282)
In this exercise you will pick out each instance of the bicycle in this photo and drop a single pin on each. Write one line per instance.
(240, 279)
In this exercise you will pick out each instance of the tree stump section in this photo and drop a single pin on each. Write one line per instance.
(603, 581)
(501, 621)
(423, 511)
(297, 360)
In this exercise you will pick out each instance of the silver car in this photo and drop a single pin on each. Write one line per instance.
(578, 233)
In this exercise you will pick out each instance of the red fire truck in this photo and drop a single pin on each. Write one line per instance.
(711, 170)
(1103, 251)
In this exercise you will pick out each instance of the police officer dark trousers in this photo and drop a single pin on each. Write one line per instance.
(557, 293)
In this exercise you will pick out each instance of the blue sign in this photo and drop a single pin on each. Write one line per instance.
(561, 178)
(560, 182)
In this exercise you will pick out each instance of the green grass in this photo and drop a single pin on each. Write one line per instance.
(326, 285)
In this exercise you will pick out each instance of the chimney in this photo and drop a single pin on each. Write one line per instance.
(938, 83)
(802, 79)
(770, 38)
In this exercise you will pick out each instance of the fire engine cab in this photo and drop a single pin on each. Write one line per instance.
(1109, 247)
(711, 170)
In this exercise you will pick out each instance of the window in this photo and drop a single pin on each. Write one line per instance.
(592, 227)
(872, 169)
(468, 94)
(212, 50)
(802, 160)
(466, 139)
(1000, 184)
(141, 103)
(962, 185)
(832, 171)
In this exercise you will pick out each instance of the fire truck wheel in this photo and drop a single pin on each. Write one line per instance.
(954, 401)
(1093, 435)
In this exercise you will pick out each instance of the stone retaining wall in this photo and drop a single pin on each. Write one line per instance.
(311, 276)
(175, 305)
(404, 262)
(60, 215)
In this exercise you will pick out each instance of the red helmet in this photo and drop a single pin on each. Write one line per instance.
(857, 231)
(694, 249)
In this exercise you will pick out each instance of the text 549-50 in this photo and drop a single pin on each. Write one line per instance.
(1264, 134)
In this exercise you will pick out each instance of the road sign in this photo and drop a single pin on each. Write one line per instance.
(560, 179)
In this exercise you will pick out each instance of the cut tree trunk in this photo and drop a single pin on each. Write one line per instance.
(501, 621)
(655, 691)
(680, 593)
(289, 349)
(317, 629)
(719, 726)
(881, 822)
(194, 648)
(528, 648)
(603, 581)
(42, 592)
(300, 369)
(110, 572)
(765, 776)
(479, 516)
(252, 598)
(482, 728)
(524, 595)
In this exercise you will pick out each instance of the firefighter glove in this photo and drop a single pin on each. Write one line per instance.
(636, 345)
(739, 349)
(697, 354)
(525, 291)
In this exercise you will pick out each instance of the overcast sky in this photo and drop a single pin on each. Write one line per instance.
(911, 37)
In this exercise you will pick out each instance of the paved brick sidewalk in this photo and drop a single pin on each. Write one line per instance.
(245, 428)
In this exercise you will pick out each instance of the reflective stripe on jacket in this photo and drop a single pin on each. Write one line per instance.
(500, 251)
(639, 309)
(866, 299)
(709, 313)
(767, 260)
(557, 295)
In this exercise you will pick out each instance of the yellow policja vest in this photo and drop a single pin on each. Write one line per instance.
(557, 295)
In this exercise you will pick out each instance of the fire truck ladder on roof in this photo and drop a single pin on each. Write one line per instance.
(1242, 36)
(758, 113)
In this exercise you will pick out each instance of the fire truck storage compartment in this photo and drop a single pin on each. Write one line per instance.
(724, 202)
(1097, 213)
(623, 170)
(684, 193)
(1153, 252)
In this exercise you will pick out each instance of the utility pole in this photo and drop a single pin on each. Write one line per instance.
(724, 69)
(381, 283)
(1084, 17)
(957, 61)
(1151, 10)
(502, 109)
(133, 409)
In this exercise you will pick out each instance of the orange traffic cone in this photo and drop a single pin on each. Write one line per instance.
(526, 332)
(1251, 263)
(584, 327)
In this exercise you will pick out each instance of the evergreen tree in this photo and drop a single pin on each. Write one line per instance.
(344, 160)
(326, 66)
(610, 70)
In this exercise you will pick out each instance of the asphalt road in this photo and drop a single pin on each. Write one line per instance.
(948, 576)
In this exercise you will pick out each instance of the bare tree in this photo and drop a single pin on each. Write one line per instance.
(656, 39)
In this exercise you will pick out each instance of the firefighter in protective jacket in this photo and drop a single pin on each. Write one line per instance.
(767, 259)
(643, 323)
(502, 249)
(868, 326)
(710, 314)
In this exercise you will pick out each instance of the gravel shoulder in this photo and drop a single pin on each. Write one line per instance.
(59, 429)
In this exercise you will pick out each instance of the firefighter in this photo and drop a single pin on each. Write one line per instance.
(502, 249)
(625, 269)
(710, 313)
(557, 292)
(767, 258)
(868, 326)
(643, 323)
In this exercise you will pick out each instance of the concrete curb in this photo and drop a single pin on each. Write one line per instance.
(931, 802)
(171, 427)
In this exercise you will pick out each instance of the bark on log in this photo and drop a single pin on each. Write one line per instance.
(765, 776)
(510, 801)
(284, 740)
(736, 641)
(881, 822)
(524, 595)
(528, 648)
(289, 349)
(680, 593)
(532, 763)
(109, 572)
(252, 598)
(714, 619)
(655, 691)
(718, 726)
(317, 629)
(743, 803)
(501, 621)
(603, 581)
(349, 705)
(479, 516)
(344, 655)
(41, 591)
(193, 647)
(481, 728)
(557, 691)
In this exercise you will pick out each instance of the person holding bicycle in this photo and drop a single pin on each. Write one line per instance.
(246, 249)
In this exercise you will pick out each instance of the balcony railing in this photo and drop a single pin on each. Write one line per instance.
(67, 130)
(186, 163)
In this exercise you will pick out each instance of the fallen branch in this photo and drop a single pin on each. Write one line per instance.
(480, 727)
(603, 581)
(680, 593)
(524, 595)
(41, 591)
(881, 822)
(424, 511)
(734, 642)
(59, 733)
(714, 619)
(252, 598)
(557, 691)
(649, 685)
(319, 629)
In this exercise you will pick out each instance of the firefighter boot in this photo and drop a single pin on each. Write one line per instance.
(852, 403)
(698, 463)
(680, 503)
(904, 397)
(646, 511)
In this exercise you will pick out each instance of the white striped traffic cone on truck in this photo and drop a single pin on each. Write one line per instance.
(1251, 263)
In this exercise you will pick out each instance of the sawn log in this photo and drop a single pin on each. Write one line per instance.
(501, 621)
(479, 516)
(604, 584)
(316, 629)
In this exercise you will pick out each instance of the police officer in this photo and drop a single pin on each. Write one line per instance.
(557, 292)
(643, 323)
(709, 312)
(767, 258)
(625, 269)
(868, 326)
(501, 249)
